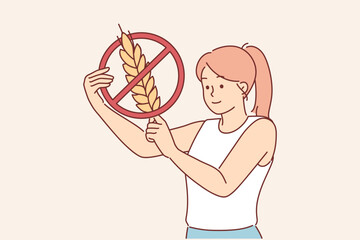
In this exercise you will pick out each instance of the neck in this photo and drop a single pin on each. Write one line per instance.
(233, 119)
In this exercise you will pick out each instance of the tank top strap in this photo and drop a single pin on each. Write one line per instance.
(251, 120)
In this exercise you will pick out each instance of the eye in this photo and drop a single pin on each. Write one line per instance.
(221, 86)
(207, 87)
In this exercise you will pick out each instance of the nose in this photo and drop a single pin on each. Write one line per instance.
(212, 91)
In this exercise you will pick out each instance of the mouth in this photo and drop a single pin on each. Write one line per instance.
(216, 102)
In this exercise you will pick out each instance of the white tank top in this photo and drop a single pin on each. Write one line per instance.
(208, 211)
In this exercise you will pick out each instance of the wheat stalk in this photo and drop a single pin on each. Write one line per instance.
(145, 91)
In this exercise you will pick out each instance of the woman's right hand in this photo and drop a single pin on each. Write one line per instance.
(96, 80)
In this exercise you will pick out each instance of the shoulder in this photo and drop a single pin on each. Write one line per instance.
(261, 130)
(264, 125)
(260, 137)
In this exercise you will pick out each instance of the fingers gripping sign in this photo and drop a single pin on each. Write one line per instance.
(97, 79)
(158, 131)
(151, 127)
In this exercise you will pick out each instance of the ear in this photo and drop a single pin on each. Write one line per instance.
(242, 86)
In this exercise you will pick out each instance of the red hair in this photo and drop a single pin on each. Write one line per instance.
(247, 65)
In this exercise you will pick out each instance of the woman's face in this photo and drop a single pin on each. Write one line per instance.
(220, 95)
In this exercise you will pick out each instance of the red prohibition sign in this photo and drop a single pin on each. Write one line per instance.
(168, 49)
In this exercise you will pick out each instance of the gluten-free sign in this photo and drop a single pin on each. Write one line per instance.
(168, 48)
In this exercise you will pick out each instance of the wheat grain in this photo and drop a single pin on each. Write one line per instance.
(144, 92)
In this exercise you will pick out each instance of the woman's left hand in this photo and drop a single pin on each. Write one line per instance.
(159, 133)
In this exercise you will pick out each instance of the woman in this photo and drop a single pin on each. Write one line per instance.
(225, 160)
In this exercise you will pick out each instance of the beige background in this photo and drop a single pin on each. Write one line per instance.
(64, 175)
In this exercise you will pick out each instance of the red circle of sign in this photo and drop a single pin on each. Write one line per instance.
(180, 83)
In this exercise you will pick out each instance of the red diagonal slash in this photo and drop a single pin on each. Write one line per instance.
(142, 74)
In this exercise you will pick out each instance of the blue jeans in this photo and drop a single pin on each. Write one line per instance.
(249, 232)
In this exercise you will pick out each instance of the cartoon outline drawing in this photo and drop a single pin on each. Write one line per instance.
(225, 160)
(168, 49)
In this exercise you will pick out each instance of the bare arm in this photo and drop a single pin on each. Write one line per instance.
(256, 146)
(185, 135)
(131, 135)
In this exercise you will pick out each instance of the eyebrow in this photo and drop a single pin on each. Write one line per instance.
(203, 78)
(218, 76)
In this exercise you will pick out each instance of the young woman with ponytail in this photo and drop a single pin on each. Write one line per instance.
(225, 160)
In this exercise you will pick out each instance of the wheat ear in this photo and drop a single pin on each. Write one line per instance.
(145, 91)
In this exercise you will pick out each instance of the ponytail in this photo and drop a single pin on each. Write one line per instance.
(263, 83)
